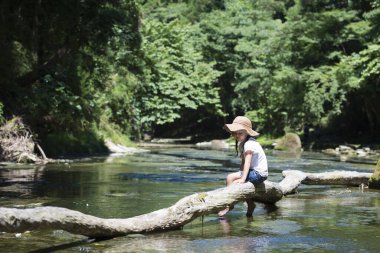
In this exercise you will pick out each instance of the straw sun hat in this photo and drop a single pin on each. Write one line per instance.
(241, 123)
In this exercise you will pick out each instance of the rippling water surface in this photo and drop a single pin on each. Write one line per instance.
(316, 219)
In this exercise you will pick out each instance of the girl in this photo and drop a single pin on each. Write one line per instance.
(254, 166)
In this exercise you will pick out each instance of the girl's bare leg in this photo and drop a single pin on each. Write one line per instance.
(251, 207)
(230, 179)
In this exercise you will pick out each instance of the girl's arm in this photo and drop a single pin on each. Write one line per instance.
(246, 166)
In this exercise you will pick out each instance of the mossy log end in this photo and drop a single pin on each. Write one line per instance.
(374, 181)
(173, 217)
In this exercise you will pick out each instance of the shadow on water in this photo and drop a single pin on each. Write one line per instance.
(63, 246)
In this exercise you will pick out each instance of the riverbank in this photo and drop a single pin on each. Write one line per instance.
(353, 153)
(61, 147)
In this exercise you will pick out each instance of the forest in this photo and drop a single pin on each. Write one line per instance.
(79, 72)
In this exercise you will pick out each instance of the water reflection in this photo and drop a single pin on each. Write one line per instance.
(18, 183)
(225, 224)
(184, 243)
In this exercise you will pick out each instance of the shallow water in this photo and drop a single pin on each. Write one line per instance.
(316, 219)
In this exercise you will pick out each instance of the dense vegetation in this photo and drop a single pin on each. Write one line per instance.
(81, 71)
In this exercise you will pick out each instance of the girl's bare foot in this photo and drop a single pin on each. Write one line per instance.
(223, 212)
(226, 210)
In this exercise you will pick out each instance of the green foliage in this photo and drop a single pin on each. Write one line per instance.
(112, 132)
(220, 32)
(176, 77)
(62, 110)
(70, 144)
(266, 140)
(301, 70)
(61, 58)
(189, 10)
(114, 68)
(368, 63)
(258, 117)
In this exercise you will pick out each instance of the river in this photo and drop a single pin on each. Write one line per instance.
(315, 219)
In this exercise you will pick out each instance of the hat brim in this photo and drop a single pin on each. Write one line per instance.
(236, 127)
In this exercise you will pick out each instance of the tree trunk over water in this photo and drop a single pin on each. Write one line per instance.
(176, 216)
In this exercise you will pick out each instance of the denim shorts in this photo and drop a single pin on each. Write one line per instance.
(254, 177)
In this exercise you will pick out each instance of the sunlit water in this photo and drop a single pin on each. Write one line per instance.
(316, 219)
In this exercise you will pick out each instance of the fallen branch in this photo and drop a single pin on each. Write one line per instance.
(176, 216)
(17, 143)
(351, 178)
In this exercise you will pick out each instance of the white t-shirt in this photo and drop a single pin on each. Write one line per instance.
(259, 159)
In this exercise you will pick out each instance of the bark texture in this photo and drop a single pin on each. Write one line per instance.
(175, 216)
(351, 178)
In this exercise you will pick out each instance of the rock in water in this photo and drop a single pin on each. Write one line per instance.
(374, 181)
(290, 142)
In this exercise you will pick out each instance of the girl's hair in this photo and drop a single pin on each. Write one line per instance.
(242, 144)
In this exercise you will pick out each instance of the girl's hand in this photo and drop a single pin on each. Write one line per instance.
(239, 181)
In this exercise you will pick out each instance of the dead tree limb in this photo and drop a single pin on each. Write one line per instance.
(351, 178)
(175, 216)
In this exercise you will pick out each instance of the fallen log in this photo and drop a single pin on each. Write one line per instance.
(350, 178)
(174, 217)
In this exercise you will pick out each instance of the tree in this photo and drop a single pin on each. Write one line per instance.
(58, 59)
(176, 78)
